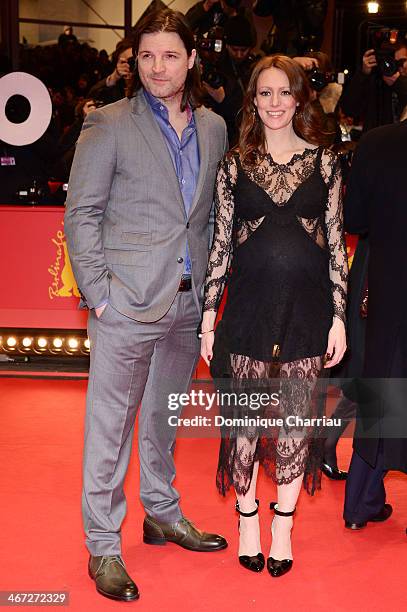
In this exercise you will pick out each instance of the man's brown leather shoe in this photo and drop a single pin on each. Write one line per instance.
(111, 578)
(183, 533)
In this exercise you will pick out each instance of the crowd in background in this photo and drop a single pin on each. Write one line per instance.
(230, 39)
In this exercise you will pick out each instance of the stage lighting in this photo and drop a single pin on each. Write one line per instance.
(373, 7)
(44, 342)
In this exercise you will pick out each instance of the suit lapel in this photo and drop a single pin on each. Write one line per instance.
(203, 145)
(154, 139)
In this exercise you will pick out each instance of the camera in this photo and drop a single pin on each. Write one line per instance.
(387, 64)
(383, 41)
(318, 80)
(211, 43)
(210, 47)
(211, 76)
(132, 63)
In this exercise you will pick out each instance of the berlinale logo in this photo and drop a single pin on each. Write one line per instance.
(63, 283)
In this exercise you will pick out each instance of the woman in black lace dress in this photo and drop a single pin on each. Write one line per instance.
(279, 243)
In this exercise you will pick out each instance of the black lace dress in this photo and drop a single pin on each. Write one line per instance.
(280, 248)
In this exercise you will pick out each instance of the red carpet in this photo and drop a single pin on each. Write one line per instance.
(41, 431)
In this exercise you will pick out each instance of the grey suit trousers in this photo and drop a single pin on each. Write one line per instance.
(133, 363)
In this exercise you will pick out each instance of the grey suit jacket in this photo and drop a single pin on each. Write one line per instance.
(125, 220)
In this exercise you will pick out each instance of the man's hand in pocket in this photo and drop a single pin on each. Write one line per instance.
(99, 310)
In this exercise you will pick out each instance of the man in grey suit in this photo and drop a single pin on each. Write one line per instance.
(137, 227)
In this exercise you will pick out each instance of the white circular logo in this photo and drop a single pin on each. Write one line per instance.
(30, 130)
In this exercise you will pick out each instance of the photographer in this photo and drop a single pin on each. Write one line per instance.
(326, 92)
(232, 73)
(204, 16)
(375, 95)
(113, 87)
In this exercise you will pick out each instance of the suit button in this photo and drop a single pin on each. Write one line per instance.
(180, 259)
(188, 225)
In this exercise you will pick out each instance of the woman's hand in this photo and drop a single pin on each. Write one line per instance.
(336, 343)
(207, 346)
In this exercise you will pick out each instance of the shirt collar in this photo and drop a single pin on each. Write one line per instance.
(160, 108)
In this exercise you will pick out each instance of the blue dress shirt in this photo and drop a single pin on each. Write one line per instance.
(184, 154)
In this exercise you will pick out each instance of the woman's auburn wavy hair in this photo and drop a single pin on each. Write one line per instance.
(306, 121)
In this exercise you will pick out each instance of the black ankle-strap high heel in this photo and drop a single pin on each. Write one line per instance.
(279, 567)
(257, 562)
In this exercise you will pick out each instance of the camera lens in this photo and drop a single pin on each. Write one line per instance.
(317, 79)
(388, 66)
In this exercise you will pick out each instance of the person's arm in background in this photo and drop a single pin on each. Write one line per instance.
(121, 71)
(198, 13)
(228, 98)
(355, 97)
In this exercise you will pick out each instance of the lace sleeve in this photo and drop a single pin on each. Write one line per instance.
(221, 251)
(338, 261)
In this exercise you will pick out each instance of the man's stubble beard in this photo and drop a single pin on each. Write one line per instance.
(169, 96)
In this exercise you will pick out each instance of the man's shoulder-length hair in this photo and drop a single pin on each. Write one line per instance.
(167, 20)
